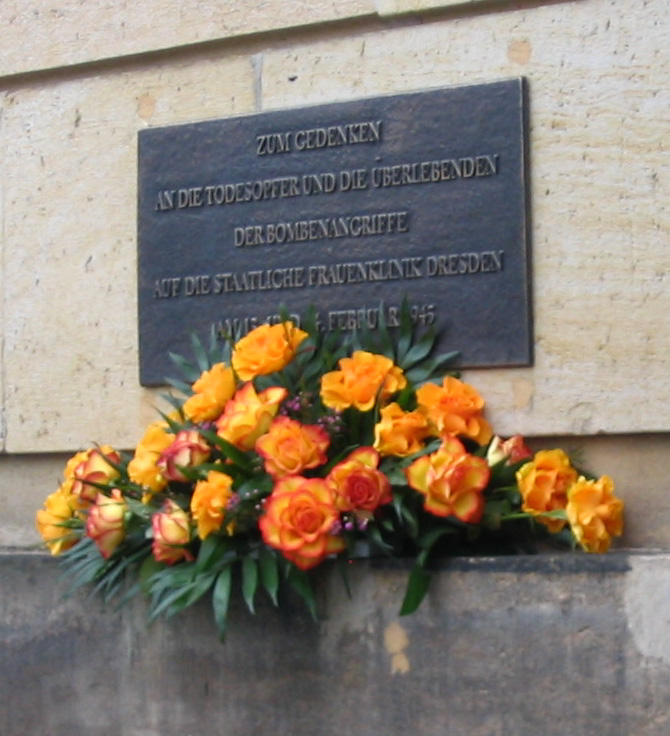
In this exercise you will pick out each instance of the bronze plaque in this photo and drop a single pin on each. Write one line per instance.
(350, 207)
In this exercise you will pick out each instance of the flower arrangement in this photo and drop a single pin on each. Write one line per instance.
(289, 447)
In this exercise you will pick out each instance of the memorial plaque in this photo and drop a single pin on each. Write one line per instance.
(350, 207)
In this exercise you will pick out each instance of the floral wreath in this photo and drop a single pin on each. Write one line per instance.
(289, 447)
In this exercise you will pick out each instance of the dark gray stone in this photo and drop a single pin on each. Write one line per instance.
(520, 646)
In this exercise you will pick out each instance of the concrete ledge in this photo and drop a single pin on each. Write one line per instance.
(550, 645)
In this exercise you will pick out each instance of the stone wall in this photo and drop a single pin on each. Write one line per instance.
(79, 80)
(524, 646)
(521, 646)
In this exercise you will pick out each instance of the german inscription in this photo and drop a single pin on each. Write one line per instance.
(349, 207)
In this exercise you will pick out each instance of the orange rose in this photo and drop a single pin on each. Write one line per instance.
(248, 415)
(512, 451)
(51, 521)
(208, 504)
(357, 484)
(452, 481)
(105, 523)
(187, 450)
(298, 520)
(595, 514)
(290, 447)
(210, 393)
(400, 433)
(95, 468)
(172, 532)
(544, 484)
(361, 381)
(143, 468)
(266, 349)
(454, 409)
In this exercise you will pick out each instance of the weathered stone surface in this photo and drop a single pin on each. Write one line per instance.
(70, 250)
(529, 645)
(2, 301)
(35, 34)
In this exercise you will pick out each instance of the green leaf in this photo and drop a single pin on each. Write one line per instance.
(238, 457)
(182, 386)
(112, 578)
(200, 353)
(417, 587)
(174, 402)
(207, 553)
(190, 372)
(429, 539)
(396, 476)
(200, 585)
(249, 582)
(269, 570)
(384, 336)
(425, 371)
(419, 351)
(376, 540)
(175, 427)
(148, 569)
(410, 520)
(299, 581)
(405, 333)
(160, 603)
(221, 599)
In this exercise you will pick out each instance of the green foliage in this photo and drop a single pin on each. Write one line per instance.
(236, 557)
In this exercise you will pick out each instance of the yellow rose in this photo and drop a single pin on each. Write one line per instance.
(544, 484)
(361, 380)
(452, 481)
(172, 532)
(208, 504)
(266, 349)
(454, 408)
(298, 520)
(290, 447)
(73, 463)
(210, 394)
(142, 469)
(59, 508)
(595, 514)
(105, 523)
(96, 467)
(400, 433)
(248, 415)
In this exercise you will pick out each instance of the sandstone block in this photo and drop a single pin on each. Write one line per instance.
(34, 36)
(70, 247)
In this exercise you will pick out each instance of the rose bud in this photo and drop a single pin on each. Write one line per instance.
(513, 451)
(171, 528)
(188, 450)
(96, 467)
(105, 522)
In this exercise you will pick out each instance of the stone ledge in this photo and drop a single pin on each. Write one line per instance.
(33, 39)
(502, 646)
